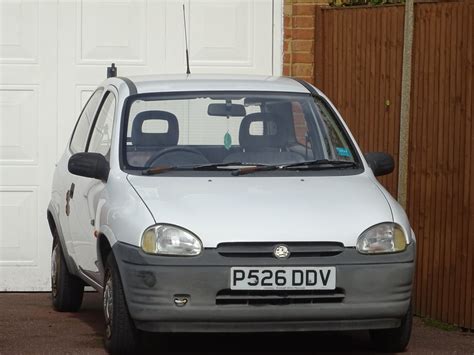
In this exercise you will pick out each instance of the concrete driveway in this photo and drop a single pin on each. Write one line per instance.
(28, 325)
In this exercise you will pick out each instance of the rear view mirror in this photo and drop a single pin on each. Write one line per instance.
(92, 165)
(226, 110)
(380, 163)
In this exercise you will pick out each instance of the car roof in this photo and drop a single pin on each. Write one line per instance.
(208, 82)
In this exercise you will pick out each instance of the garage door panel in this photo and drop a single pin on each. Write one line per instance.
(18, 125)
(19, 32)
(83, 93)
(18, 242)
(122, 38)
(25, 280)
(224, 37)
(210, 44)
(233, 36)
(28, 71)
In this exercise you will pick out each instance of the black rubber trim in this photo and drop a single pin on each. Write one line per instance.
(131, 86)
(307, 86)
(134, 255)
(265, 326)
(96, 116)
(266, 249)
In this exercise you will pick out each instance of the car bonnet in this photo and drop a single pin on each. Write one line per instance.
(276, 209)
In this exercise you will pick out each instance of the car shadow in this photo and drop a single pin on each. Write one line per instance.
(91, 315)
(289, 343)
(286, 343)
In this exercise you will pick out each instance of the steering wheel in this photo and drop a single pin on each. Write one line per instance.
(201, 159)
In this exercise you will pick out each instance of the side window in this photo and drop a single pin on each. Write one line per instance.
(102, 132)
(81, 131)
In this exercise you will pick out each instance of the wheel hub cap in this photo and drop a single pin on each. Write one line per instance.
(108, 307)
(54, 271)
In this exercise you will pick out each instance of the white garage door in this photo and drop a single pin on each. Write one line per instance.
(54, 53)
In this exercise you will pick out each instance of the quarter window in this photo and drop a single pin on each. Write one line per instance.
(81, 131)
(102, 132)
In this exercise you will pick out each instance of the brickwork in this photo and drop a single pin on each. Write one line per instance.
(298, 56)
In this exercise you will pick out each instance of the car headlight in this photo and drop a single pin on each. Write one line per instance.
(165, 239)
(382, 238)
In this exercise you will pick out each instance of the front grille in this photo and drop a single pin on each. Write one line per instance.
(271, 297)
(265, 249)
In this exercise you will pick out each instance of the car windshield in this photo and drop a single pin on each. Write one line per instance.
(220, 130)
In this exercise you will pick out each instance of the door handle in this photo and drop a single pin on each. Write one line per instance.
(71, 191)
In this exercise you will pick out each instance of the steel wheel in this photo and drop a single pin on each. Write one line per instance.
(121, 337)
(66, 289)
(55, 265)
(108, 304)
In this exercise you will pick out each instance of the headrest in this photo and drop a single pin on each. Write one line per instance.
(274, 134)
(168, 138)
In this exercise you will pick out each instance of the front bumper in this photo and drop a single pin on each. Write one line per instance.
(376, 292)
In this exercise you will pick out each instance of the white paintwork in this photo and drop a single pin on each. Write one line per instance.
(117, 210)
(265, 209)
(115, 207)
(217, 82)
(53, 54)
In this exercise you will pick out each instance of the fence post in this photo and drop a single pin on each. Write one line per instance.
(405, 105)
(318, 45)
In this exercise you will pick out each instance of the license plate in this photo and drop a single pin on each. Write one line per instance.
(283, 278)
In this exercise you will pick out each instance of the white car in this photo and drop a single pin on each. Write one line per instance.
(206, 203)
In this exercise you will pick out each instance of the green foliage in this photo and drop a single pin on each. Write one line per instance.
(364, 2)
(439, 325)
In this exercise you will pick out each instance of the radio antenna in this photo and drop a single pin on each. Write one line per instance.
(186, 42)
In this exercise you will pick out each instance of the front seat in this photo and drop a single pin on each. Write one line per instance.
(141, 139)
(162, 147)
(267, 148)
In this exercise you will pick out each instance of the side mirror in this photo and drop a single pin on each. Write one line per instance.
(380, 163)
(92, 165)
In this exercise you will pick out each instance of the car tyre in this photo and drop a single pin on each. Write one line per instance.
(121, 336)
(395, 339)
(67, 290)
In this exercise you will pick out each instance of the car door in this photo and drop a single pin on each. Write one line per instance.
(77, 144)
(88, 192)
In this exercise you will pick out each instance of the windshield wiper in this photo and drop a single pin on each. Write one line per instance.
(321, 164)
(216, 166)
(165, 168)
(255, 168)
(250, 168)
(159, 169)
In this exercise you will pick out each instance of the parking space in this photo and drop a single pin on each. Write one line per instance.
(28, 325)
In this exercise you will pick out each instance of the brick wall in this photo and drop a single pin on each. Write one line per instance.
(298, 49)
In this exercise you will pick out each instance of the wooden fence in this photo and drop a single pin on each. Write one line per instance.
(358, 59)
(358, 65)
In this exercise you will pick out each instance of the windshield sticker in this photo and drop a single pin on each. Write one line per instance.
(343, 152)
(227, 141)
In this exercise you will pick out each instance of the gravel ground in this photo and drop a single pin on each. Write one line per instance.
(28, 325)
